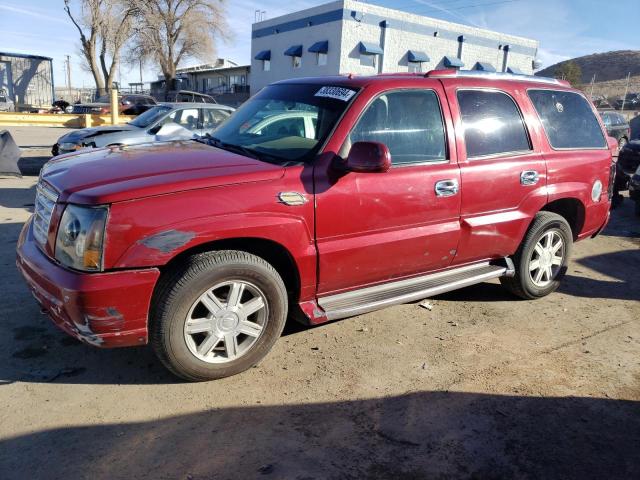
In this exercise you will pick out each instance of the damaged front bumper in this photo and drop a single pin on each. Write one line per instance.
(102, 309)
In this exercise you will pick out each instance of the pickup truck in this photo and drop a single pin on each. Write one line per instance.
(410, 185)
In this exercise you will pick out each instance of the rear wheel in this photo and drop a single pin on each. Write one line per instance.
(541, 261)
(217, 315)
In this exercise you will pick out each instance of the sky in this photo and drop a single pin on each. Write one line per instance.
(564, 28)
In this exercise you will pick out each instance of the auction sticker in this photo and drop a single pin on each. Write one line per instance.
(338, 93)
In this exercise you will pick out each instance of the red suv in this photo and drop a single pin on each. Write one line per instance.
(396, 188)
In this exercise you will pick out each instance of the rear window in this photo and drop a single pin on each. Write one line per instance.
(567, 118)
(492, 123)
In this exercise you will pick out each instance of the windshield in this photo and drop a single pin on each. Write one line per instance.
(150, 116)
(285, 123)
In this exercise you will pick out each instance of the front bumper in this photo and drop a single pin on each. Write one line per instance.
(102, 309)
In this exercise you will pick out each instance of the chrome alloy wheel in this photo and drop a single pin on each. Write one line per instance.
(546, 258)
(225, 321)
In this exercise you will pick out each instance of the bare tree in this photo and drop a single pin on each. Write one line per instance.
(104, 27)
(90, 22)
(171, 31)
(115, 32)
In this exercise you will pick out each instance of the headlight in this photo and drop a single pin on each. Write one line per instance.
(70, 146)
(96, 109)
(80, 237)
(596, 191)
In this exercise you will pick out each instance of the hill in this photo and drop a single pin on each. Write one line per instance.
(606, 66)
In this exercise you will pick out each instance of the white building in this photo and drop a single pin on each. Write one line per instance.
(348, 36)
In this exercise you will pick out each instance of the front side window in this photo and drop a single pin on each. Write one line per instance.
(187, 118)
(271, 124)
(408, 122)
(291, 124)
(567, 118)
(492, 123)
(213, 117)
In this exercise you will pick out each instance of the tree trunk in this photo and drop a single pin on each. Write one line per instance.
(97, 77)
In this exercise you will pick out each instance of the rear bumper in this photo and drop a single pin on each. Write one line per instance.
(102, 309)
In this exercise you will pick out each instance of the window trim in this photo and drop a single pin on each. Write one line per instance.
(447, 156)
(491, 156)
(605, 134)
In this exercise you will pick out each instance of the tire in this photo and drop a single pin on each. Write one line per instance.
(200, 283)
(545, 226)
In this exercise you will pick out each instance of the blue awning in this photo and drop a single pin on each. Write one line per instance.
(294, 51)
(370, 48)
(453, 62)
(515, 71)
(320, 47)
(264, 55)
(416, 56)
(484, 67)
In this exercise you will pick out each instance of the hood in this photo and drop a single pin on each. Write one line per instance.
(81, 134)
(116, 174)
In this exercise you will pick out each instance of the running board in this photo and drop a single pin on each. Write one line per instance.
(380, 296)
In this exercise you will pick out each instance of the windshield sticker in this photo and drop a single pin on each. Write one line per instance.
(338, 93)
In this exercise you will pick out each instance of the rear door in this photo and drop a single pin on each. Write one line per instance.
(377, 227)
(503, 172)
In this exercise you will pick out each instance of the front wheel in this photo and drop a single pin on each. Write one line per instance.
(541, 261)
(217, 315)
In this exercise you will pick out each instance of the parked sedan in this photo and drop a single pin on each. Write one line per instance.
(6, 104)
(617, 127)
(630, 102)
(127, 105)
(195, 119)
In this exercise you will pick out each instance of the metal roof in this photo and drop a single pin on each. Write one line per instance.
(24, 55)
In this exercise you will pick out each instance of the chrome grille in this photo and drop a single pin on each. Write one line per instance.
(46, 200)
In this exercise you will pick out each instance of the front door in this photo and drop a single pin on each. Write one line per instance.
(376, 227)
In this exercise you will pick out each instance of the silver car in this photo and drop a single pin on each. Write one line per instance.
(6, 104)
(165, 122)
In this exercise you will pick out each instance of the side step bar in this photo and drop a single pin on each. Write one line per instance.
(373, 298)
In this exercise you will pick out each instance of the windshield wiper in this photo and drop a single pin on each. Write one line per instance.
(247, 152)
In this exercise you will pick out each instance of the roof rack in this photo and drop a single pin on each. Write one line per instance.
(494, 76)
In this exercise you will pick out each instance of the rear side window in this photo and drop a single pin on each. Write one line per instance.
(408, 122)
(567, 119)
(492, 123)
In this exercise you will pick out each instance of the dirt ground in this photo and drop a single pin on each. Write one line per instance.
(483, 386)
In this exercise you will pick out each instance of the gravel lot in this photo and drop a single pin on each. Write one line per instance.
(482, 386)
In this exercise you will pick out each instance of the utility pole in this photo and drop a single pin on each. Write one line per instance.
(69, 78)
(626, 90)
(593, 80)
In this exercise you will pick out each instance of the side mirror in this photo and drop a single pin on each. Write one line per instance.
(171, 132)
(369, 157)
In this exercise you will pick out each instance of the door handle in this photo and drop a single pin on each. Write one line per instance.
(529, 177)
(446, 188)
